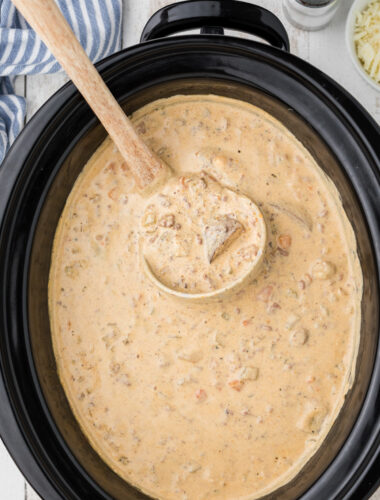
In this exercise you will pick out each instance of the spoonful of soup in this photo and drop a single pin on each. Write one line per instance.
(199, 239)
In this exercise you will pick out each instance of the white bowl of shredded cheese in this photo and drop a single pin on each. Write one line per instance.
(363, 39)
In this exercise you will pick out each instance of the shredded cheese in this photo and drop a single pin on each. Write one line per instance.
(367, 39)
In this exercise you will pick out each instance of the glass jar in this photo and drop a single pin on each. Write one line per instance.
(311, 15)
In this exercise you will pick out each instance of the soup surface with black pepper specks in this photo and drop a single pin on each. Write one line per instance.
(217, 400)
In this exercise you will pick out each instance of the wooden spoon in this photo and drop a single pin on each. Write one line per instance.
(49, 23)
(149, 171)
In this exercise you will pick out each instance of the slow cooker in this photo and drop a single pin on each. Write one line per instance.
(36, 423)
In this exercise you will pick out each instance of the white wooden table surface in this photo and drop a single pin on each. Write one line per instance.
(324, 49)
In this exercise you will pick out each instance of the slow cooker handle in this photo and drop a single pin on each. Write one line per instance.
(214, 15)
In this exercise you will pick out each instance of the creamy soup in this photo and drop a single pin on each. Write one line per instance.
(198, 236)
(216, 400)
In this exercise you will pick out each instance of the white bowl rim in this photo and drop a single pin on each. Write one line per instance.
(350, 22)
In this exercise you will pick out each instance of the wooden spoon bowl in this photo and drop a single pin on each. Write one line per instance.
(201, 240)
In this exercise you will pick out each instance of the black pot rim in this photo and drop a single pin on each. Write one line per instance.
(14, 426)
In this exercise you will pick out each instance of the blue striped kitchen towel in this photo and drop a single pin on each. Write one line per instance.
(96, 23)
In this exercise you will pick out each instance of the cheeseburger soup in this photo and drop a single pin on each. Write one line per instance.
(219, 218)
(209, 400)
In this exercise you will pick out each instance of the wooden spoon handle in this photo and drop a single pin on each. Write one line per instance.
(47, 20)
